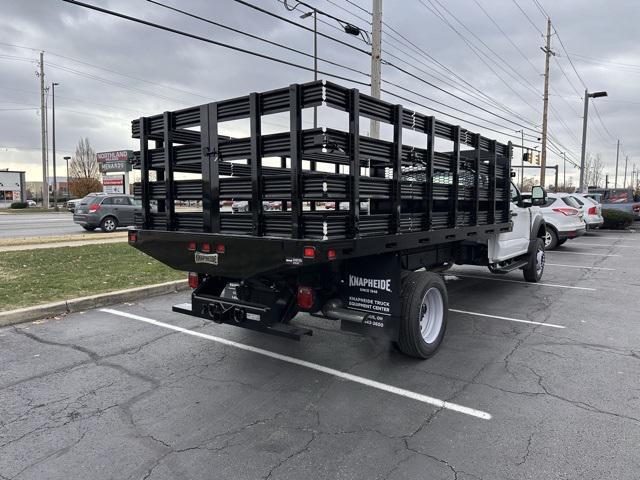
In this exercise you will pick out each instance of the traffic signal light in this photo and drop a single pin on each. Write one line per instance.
(526, 157)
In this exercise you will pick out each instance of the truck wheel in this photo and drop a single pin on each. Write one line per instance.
(109, 224)
(424, 314)
(535, 268)
(550, 239)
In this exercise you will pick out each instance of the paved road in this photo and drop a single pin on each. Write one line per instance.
(139, 392)
(38, 225)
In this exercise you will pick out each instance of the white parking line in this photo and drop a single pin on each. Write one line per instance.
(602, 245)
(553, 325)
(526, 283)
(583, 253)
(579, 266)
(436, 402)
(610, 238)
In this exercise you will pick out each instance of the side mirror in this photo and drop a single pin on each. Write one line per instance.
(538, 196)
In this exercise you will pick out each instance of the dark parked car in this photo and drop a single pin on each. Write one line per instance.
(106, 211)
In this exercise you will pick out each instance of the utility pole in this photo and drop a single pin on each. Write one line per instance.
(315, 61)
(522, 160)
(547, 54)
(43, 126)
(564, 171)
(376, 55)
(615, 181)
(626, 162)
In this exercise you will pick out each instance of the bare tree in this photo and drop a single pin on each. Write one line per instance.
(84, 163)
(528, 183)
(84, 172)
(598, 170)
(593, 170)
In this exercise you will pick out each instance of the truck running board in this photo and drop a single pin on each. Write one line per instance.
(511, 267)
(279, 329)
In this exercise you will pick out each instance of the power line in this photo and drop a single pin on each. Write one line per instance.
(359, 7)
(518, 77)
(489, 100)
(504, 34)
(605, 61)
(284, 19)
(528, 18)
(255, 37)
(349, 12)
(208, 40)
(455, 109)
(434, 10)
(569, 58)
(401, 97)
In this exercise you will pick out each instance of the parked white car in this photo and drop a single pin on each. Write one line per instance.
(591, 210)
(563, 218)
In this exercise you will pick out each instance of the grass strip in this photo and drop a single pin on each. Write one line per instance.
(33, 277)
(10, 242)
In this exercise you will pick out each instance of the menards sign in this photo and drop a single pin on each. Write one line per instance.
(117, 161)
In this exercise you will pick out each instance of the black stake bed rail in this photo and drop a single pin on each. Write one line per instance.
(405, 189)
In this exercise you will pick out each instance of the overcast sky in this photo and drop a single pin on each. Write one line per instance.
(112, 70)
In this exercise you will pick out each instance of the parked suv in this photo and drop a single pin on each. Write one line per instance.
(592, 210)
(106, 211)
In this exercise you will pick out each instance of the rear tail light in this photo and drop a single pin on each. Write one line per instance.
(309, 252)
(592, 211)
(194, 279)
(331, 254)
(206, 247)
(133, 237)
(94, 208)
(305, 298)
(220, 248)
(191, 246)
(566, 211)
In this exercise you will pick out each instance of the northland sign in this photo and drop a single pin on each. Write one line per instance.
(117, 161)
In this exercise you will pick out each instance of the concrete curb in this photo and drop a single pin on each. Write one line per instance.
(48, 310)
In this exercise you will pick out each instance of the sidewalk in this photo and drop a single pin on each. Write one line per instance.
(69, 243)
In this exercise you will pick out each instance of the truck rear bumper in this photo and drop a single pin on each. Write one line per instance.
(238, 314)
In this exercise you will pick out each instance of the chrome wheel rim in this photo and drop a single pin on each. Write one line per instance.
(547, 239)
(431, 315)
(109, 224)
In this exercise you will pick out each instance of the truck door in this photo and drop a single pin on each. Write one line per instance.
(515, 242)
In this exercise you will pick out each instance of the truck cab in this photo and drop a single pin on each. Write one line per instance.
(508, 251)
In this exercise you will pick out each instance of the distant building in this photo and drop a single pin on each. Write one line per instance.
(34, 189)
(13, 188)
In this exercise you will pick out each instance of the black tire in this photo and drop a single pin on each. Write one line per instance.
(551, 239)
(535, 268)
(109, 224)
(415, 287)
(561, 241)
(88, 228)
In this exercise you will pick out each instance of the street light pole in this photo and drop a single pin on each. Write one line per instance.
(587, 95)
(53, 119)
(66, 159)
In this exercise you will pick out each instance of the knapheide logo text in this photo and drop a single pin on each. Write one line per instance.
(378, 283)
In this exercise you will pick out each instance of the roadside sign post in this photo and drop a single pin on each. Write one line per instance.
(115, 162)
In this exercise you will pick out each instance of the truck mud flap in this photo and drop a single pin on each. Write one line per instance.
(372, 286)
(239, 314)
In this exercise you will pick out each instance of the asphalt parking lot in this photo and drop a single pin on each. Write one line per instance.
(532, 382)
